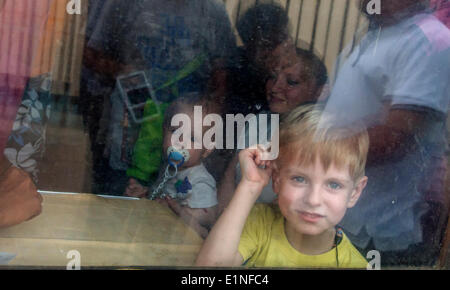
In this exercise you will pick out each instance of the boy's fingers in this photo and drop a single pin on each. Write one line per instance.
(267, 152)
(269, 170)
(262, 148)
(257, 159)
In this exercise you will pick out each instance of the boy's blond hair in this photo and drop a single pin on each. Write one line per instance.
(308, 133)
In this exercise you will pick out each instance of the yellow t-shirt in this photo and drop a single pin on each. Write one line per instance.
(264, 244)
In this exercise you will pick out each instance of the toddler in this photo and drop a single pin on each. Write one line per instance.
(190, 190)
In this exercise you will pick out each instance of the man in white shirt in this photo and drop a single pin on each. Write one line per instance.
(396, 82)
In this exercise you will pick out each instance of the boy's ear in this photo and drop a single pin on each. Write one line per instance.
(356, 193)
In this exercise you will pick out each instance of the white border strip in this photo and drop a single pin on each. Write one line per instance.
(100, 195)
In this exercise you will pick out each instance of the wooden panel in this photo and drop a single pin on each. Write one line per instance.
(106, 232)
(282, 3)
(245, 4)
(44, 60)
(322, 28)
(352, 23)
(333, 49)
(306, 23)
(232, 7)
(51, 57)
(69, 46)
(294, 19)
(77, 45)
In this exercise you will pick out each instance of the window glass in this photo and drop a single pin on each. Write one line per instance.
(305, 134)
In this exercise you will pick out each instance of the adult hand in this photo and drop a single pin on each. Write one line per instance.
(19, 199)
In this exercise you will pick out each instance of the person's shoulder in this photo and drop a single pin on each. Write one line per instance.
(425, 30)
(265, 213)
(434, 31)
(349, 256)
(427, 22)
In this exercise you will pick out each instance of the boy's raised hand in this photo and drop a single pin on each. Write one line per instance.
(255, 170)
(221, 247)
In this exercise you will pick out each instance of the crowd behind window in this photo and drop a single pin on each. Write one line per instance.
(116, 75)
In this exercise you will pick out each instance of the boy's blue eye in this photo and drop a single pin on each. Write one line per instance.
(334, 185)
(299, 179)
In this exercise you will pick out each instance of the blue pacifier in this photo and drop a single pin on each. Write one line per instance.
(177, 157)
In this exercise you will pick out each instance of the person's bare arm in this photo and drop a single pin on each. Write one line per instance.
(19, 199)
(227, 185)
(221, 246)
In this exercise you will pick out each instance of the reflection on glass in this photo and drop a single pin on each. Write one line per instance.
(87, 103)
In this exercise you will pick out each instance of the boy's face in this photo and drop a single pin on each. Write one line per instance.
(313, 200)
(195, 155)
(289, 86)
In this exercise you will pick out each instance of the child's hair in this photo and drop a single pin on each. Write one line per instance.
(191, 99)
(317, 68)
(308, 133)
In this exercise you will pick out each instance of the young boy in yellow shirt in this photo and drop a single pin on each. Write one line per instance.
(319, 173)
